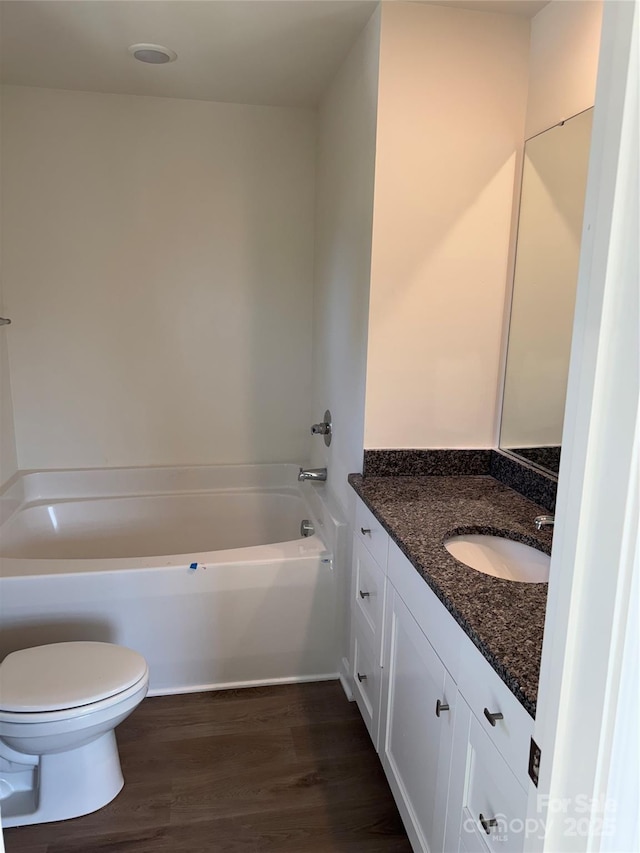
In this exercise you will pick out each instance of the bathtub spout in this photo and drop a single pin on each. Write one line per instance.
(318, 474)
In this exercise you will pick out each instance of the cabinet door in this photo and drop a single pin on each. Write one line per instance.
(494, 803)
(415, 741)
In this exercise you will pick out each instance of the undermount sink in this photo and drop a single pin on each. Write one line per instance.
(502, 558)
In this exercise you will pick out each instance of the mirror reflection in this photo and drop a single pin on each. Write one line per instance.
(548, 249)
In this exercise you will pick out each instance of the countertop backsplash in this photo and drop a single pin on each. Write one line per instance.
(519, 476)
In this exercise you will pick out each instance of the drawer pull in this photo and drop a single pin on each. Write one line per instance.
(487, 823)
(493, 717)
(364, 594)
(441, 706)
(365, 530)
(361, 678)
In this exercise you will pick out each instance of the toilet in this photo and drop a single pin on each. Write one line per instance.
(59, 706)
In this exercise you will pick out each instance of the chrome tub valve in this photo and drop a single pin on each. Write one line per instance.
(323, 428)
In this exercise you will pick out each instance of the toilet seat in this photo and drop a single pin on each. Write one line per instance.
(62, 716)
(65, 680)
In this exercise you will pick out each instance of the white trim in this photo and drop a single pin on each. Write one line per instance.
(345, 679)
(596, 537)
(239, 685)
(624, 775)
(509, 289)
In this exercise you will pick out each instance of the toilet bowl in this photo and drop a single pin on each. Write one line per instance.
(59, 706)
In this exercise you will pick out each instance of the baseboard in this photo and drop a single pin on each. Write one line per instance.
(237, 685)
(345, 679)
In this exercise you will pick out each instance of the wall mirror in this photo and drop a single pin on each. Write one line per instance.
(554, 181)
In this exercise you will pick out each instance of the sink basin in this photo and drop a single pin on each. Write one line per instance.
(502, 558)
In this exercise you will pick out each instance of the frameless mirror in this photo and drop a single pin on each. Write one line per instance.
(554, 181)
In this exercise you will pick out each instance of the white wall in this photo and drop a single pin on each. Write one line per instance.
(344, 211)
(565, 42)
(158, 266)
(344, 214)
(451, 110)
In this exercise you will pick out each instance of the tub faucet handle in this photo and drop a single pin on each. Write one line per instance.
(323, 428)
(320, 429)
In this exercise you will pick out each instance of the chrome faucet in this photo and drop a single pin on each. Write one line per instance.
(318, 474)
(544, 521)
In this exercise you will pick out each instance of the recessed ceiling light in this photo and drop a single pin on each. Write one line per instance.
(155, 54)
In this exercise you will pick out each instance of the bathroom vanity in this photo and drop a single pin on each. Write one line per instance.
(445, 659)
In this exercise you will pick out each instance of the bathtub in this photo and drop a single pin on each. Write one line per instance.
(201, 569)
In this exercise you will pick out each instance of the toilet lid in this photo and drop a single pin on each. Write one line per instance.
(66, 675)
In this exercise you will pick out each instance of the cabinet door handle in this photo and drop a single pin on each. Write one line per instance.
(441, 706)
(364, 594)
(487, 823)
(365, 530)
(361, 678)
(493, 717)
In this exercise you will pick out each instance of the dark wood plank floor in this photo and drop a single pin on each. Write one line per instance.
(273, 769)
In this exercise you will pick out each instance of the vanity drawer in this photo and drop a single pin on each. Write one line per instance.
(367, 679)
(367, 595)
(372, 534)
(487, 694)
(495, 804)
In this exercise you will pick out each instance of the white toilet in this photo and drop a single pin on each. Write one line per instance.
(59, 706)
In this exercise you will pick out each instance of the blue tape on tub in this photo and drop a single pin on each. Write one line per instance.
(193, 566)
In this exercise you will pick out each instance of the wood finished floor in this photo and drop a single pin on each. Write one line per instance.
(272, 769)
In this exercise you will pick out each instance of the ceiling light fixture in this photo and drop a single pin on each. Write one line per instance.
(155, 54)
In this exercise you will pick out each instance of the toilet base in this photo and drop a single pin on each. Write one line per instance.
(69, 784)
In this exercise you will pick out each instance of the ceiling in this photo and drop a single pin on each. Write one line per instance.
(521, 8)
(251, 52)
(274, 52)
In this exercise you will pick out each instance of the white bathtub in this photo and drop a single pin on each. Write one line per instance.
(202, 570)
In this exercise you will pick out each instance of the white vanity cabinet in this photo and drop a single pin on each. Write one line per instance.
(416, 734)
(452, 738)
(487, 804)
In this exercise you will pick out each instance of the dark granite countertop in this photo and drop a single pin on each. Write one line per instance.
(504, 619)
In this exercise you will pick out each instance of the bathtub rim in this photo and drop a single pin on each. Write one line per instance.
(295, 549)
(64, 485)
(30, 486)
